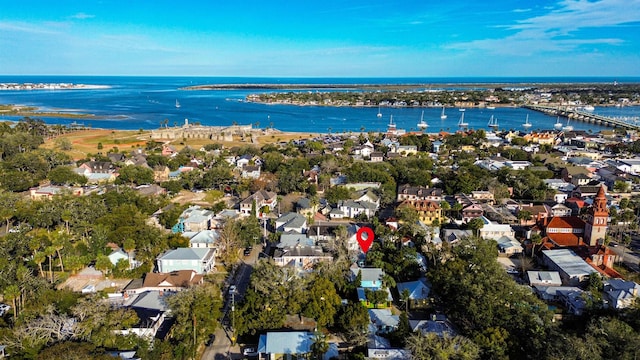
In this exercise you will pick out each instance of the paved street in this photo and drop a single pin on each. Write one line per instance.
(221, 347)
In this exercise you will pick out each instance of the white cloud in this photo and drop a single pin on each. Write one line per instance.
(82, 16)
(557, 29)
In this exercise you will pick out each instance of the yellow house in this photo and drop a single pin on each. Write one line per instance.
(428, 210)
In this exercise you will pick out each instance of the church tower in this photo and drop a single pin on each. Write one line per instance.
(596, 224)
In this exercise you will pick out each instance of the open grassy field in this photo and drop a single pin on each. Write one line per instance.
(85, 142)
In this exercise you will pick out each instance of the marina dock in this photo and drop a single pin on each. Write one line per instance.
(585, 116)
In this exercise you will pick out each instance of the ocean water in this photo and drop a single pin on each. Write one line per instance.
(132, 103)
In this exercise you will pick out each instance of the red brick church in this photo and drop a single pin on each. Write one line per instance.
(584, 237)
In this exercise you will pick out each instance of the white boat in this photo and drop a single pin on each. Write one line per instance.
(462, 123)
(491, 107)
(461, 109)
(379, 113)
(526, 124)
(493, 122)
(588, 108)
(391, 128)
(568, 127)
(443, 115)
(422, 125)
(177, 104)
(558, 124)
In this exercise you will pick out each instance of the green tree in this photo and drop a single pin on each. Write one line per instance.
(431, 346)
(323, 302)
(319, 345)
(196, 311)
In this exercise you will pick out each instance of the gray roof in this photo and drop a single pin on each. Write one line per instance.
(569, 262)
(293, 239)
(185, 254)
(417, 289)
(292, 220)
(368, 274)
(152, 300)
(383, 317)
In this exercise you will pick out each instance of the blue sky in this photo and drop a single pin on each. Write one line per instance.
(412, 38)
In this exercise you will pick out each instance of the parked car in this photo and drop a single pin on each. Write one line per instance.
(4, 308)
(232, 289)
(250, 351)
(247, 251)
(210, 340)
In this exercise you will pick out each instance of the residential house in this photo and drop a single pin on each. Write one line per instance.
(560, 210)
(301, 257)
(169, 150)
(544, 278)
(494, 231)
(152, 311)
(574, 300)
(161, 173)
(202, 239)
(428, 211)
(620, 294)
(377, 156)
(409, 192)
(418, 291)
(250, 172)
(371, 278)
(290, 345)
(406, 150)
(194, 219)
(292, 222)
(436, 324)
(509, 246)
(517, 165)
(49, 191)
(353, 208)
(119, 254)
(453, 236)
(172, 281)
(260, 200)
(483, 196)
(383, 321)
(471, 212)
(552, 293)
(197, 259)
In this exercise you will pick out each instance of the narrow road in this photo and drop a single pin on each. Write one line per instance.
(221, 347)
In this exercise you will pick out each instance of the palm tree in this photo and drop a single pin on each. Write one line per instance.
(39, 258)
(320, 345)
(12, 293)
(49, 251)
(129, 246)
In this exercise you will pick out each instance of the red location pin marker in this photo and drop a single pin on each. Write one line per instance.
(365, 238)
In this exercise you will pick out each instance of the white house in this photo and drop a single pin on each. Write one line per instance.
(200, 260)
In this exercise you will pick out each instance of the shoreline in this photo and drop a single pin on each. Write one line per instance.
(49, 86)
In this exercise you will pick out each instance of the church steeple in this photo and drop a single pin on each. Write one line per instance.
(597, 216)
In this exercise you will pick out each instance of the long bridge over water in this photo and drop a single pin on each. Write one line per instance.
(585, 116)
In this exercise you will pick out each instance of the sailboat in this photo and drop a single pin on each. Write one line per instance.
(461, 123)
(526, 124)
(177, 104)
(391, 128)
(493, 122)
(379, 113)
(568, 127)
(422, 125)
(443, 115)
(558, 124)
